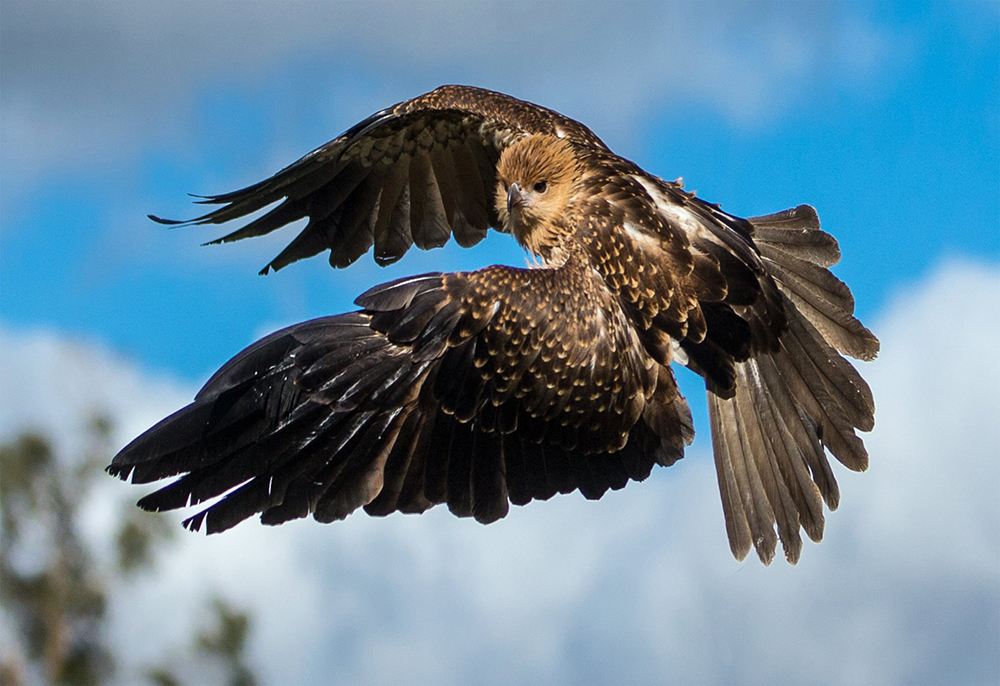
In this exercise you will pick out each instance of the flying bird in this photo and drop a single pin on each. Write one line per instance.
(505, 385)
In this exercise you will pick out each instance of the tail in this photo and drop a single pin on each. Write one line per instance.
(792, 402)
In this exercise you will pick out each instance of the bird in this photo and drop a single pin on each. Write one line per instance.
(504, 385)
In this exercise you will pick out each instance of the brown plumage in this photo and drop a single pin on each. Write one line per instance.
(504, 385)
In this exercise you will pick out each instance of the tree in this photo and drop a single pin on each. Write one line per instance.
(54, 586)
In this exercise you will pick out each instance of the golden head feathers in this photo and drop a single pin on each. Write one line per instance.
(537, 178)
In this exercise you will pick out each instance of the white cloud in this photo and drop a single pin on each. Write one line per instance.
(638, 587)
(56, 384)
(89, 84)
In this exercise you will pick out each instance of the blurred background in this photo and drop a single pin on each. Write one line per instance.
(885, 117)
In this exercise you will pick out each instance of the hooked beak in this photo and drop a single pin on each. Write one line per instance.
(514, 196)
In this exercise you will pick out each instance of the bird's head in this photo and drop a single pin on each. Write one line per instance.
(536, 181)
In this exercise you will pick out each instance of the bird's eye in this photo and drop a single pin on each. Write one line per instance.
(541, 187)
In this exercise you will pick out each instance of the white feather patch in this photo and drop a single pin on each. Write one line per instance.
(679, 355)
(641, 237)
(676, 214)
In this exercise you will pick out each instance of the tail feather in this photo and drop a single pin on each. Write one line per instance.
(737, 522)
(800, 438)
(807, 277)
(826, 311)
(752, 507)
(795, 253)
(794, 400)
(796, 232)
(801, 499)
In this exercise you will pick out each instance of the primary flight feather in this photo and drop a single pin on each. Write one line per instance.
(504, 385)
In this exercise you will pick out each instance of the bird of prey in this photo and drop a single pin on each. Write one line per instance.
(503, 385)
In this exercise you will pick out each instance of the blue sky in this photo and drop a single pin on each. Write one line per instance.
(896, 141)
(885, 117)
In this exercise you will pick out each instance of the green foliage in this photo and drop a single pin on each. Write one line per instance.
(54, 590)
(226, 641)
(21, 462)
(220, 649)
(139, 537)
(162, 676)
(48, 581)
(228, 637)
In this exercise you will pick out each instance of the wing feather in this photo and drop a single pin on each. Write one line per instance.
(461, 130)
(427, 209)
(409, 403)
(391, 237)
(489, 478)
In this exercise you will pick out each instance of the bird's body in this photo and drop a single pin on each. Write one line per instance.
(504, 385)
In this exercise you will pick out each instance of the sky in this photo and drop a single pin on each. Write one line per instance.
(885, 117)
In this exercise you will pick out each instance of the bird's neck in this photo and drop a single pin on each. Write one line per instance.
(550, 242)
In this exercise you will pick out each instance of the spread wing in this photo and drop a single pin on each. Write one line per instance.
(414, 173)
(749, 305)
(475, 389)
(780, 393)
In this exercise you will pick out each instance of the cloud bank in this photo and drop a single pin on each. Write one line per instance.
(638, 587)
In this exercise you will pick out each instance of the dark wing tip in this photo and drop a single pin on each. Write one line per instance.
(204, 199)
(120, 471)
(168, 222)
(193, 524)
